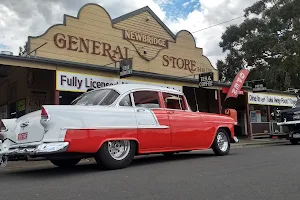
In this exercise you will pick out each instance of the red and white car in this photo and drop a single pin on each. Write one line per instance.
(113, 124)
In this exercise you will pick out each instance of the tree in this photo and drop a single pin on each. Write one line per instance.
(267, 42)
(23, 50)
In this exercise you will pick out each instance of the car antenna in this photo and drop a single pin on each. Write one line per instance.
(196, 100)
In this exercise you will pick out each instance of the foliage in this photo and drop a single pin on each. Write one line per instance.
(23, 50)
(267, 43)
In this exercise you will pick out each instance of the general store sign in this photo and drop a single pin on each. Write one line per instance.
(272, 100)
(75, 82)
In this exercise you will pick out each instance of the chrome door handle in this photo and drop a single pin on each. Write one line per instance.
(24, 124)
(170, 112)
(140, 110)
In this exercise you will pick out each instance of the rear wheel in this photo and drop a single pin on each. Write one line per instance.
(294, 141)
(66, 163)
(221, 145)
(116, 154)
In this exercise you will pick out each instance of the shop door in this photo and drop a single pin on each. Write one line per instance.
(12, 110)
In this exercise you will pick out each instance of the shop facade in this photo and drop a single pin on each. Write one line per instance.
(262, 111)
(85, 52)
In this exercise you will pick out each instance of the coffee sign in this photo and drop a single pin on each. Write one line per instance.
(206, 79)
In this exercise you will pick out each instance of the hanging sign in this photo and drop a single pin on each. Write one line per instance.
(125, 68)
(259, 86)
(206, 79)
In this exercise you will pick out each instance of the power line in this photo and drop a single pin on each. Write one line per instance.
(216, 25)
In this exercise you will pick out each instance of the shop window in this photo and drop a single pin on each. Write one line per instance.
(258, 113)
(174, 101)
(146, 99)
(126, 101)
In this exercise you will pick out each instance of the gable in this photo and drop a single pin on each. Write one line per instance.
(94, 38)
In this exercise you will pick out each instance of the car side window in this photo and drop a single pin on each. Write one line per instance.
(126, 101)
(174, 101)
(146, 99)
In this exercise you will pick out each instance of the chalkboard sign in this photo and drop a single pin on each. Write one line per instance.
(125, 68)
(259, 86)
(206, 79)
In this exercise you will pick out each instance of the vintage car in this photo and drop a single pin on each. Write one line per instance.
(113, 124)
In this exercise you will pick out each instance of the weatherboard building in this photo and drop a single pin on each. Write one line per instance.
(86, 51)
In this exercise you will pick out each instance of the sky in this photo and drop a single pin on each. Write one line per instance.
(22, 18)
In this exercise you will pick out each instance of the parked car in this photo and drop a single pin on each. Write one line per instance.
(289, 119)
(115, 123)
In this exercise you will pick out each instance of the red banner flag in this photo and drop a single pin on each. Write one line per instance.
(237, 84)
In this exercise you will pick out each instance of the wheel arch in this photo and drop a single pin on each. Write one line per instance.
(131, 139)
(227, 131)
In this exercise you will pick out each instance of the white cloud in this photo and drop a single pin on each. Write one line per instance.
(19, 19)
(212, 12)
(185, 4)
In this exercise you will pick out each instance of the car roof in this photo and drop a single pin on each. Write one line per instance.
(123, 88)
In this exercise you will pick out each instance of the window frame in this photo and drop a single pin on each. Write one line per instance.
(130, 98)
(147, 90)
(183, 104)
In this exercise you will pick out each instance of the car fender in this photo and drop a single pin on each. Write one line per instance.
(122, 138)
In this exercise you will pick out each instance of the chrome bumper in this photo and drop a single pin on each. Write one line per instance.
(7, 149)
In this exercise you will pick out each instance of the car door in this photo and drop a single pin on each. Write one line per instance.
(187, 130)
(151, 136)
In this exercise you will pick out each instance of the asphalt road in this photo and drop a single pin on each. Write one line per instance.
(259, 173)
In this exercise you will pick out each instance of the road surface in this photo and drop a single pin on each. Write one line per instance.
(255, 173)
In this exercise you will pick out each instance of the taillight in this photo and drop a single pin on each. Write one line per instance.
(44, 114)
(2, 126)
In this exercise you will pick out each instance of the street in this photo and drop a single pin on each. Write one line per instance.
(250, 173)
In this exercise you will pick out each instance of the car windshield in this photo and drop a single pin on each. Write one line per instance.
(97, 97)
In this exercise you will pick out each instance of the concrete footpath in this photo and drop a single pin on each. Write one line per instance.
(258, 142)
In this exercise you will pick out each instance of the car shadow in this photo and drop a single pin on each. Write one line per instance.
(50, 171)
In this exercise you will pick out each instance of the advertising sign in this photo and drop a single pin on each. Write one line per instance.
(259, 86)
(74, 82)
(125, 68)
(272, 100)
(237, 83)
(206, 79)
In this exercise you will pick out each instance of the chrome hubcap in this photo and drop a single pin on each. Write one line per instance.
(222, 141)
(119, 149)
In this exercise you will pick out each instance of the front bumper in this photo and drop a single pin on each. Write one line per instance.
(9, 149)
(234, 140)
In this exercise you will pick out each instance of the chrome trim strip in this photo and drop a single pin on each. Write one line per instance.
(288, 123)
(118, 127)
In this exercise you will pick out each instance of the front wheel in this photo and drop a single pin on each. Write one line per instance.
(221, 144)
(116, 154)
(294, 141)
(65, 163)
